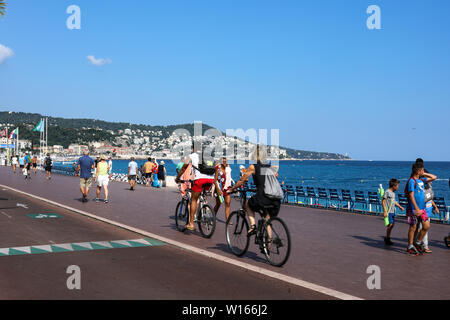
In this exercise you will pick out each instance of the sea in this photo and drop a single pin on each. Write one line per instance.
(348, 174)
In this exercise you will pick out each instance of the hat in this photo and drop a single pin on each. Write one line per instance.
(162, 162)
(241, 167)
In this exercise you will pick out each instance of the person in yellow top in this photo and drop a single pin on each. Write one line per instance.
(102, 178)
(147, 171)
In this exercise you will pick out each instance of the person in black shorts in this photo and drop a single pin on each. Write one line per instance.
(259, 202)
(48, 166)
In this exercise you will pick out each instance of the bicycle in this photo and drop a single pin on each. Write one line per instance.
(272, 236)
(205, 215)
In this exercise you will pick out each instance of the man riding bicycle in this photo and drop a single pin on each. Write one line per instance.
(259, 202)
(203, 179)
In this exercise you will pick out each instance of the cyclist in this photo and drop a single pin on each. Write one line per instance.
(259, 201)
(203, 179)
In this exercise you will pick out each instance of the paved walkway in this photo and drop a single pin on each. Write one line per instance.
(331, 249)
(40, 241)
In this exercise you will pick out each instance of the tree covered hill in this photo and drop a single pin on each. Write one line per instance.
(83, 131)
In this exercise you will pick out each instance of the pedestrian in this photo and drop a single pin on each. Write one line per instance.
(102, 178)
(147, 171)
(132, 173)
(186, 176)
(162, 175)
(110, 167)
(34, 163)
(155, 173)
(429, 204)
(85, 165)
(14, 161)
(222, 181)
(389, 203)
(22, 163)
(28, 165)
(415, 211)
(48, 163)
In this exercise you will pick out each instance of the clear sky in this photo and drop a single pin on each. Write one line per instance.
(309, 68)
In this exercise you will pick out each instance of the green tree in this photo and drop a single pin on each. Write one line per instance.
(2, 8)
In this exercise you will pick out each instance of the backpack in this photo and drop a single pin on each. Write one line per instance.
(206, 167)
(415, 185)
(272, 188)
(48, 161)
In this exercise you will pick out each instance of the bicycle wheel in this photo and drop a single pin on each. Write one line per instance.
(207, 221)
(236, 230)
(181, 215)
(276, 242)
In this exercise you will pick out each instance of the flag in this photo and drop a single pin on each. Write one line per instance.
(14, 133)
(40, 126)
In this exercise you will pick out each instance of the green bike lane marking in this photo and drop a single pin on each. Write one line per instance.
(80, 246)
(44, 215)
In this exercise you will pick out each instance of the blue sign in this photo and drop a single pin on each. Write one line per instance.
(6, 146)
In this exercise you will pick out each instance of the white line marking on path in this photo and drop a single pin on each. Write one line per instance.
(5, 214)
(22, 205)
(262, 271)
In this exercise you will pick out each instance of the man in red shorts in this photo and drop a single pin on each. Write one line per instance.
(203, 178)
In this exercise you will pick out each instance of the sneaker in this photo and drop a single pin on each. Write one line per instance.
(97, 199)
(413, 251)
(388, 242)
(419, 247)
(106, 201)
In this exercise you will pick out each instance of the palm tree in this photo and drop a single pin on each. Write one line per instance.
(2, 7)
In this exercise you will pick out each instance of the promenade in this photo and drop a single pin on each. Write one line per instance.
(330, 249)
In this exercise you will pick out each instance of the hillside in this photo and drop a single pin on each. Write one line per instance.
(144, 139)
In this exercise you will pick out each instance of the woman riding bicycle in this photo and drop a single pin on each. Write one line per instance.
(259, 202)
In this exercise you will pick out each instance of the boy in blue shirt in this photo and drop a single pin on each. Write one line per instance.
(415, 192)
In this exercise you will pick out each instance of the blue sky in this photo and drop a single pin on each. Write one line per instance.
(309, 68)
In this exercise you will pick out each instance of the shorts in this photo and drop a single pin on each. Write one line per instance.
(412, 218)
(21, 166)
(148, 175)
(102, 181)
(85, 182)
(48, 169)
(200, 184)
(133, 177)
(391, 218)
(34, 165)
(257, 204)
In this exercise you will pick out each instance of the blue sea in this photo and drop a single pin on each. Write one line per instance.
(353, 175)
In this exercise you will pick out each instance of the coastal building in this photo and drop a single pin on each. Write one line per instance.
(58, 149)
(77, 149)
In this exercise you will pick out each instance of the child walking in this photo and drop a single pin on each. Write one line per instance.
(389, 204)
(415, 211)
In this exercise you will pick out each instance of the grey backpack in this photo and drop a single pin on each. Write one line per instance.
(272, 188)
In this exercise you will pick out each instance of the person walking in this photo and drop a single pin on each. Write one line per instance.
(22, 163)
(132, 173)
(14, 162)
(147, 171)
(415, 211)
(28, 165)
(102, 178)
(162, 175)
(48, 163)
(109, 167)
(34, 163)
(85, 165)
